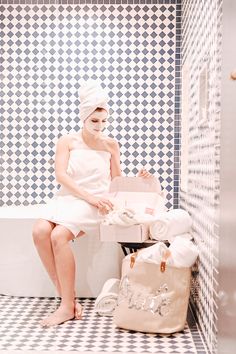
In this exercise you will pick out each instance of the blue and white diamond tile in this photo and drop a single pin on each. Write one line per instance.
(48, 50)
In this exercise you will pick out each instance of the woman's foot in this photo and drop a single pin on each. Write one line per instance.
(78, 311)
(61, 315)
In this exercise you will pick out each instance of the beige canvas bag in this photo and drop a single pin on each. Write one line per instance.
(153, 298)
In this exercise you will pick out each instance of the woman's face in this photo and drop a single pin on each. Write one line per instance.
(96, 122)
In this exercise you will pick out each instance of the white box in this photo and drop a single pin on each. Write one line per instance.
(139, 202)
(142, 195)
(117, 233)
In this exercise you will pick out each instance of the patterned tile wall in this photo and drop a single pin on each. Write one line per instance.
(48, 50)
(201, 58)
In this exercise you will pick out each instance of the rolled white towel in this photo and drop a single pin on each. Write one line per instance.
(106, 301)
(186, 235)
(169, 224)
(106, 304)
(184, 252)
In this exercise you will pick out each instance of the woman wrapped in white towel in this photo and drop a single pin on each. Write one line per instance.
(85, 163)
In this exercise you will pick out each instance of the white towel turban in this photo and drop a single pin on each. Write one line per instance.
(92, 96)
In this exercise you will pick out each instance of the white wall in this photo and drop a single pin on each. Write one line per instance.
(227, 239)
(199, 194)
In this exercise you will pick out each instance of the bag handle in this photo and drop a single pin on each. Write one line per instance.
(165, 256)
(163, 266)
(133, 259)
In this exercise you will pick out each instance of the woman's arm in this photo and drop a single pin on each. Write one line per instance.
(115, 159)
(115, 162)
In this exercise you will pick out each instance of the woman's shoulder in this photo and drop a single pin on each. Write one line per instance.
(67, 138)
(111, 143)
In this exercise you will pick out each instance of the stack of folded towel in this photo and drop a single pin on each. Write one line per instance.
(107, 299)
(169, 224)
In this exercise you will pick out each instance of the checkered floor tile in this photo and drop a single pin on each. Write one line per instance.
(19, 330)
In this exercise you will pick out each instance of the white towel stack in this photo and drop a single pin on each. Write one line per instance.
(170, 224)
(106, 301)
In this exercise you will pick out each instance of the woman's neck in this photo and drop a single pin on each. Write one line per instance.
(89, 138)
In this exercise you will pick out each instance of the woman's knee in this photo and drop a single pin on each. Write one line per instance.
(60, 237)
(41, 230)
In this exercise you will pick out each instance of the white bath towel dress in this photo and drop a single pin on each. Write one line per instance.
(90, 169)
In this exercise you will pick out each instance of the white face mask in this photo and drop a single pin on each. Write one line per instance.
(96, 122)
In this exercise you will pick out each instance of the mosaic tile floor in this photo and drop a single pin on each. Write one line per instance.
(20, 331)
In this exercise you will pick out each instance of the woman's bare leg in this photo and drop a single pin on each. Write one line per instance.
(65, 269)
(42, 239)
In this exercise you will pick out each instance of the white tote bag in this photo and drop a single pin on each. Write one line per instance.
(152, 298)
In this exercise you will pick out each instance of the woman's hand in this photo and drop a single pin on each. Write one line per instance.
(144, 173)
(104, 205)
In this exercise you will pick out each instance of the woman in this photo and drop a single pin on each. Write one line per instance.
(85, 163)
